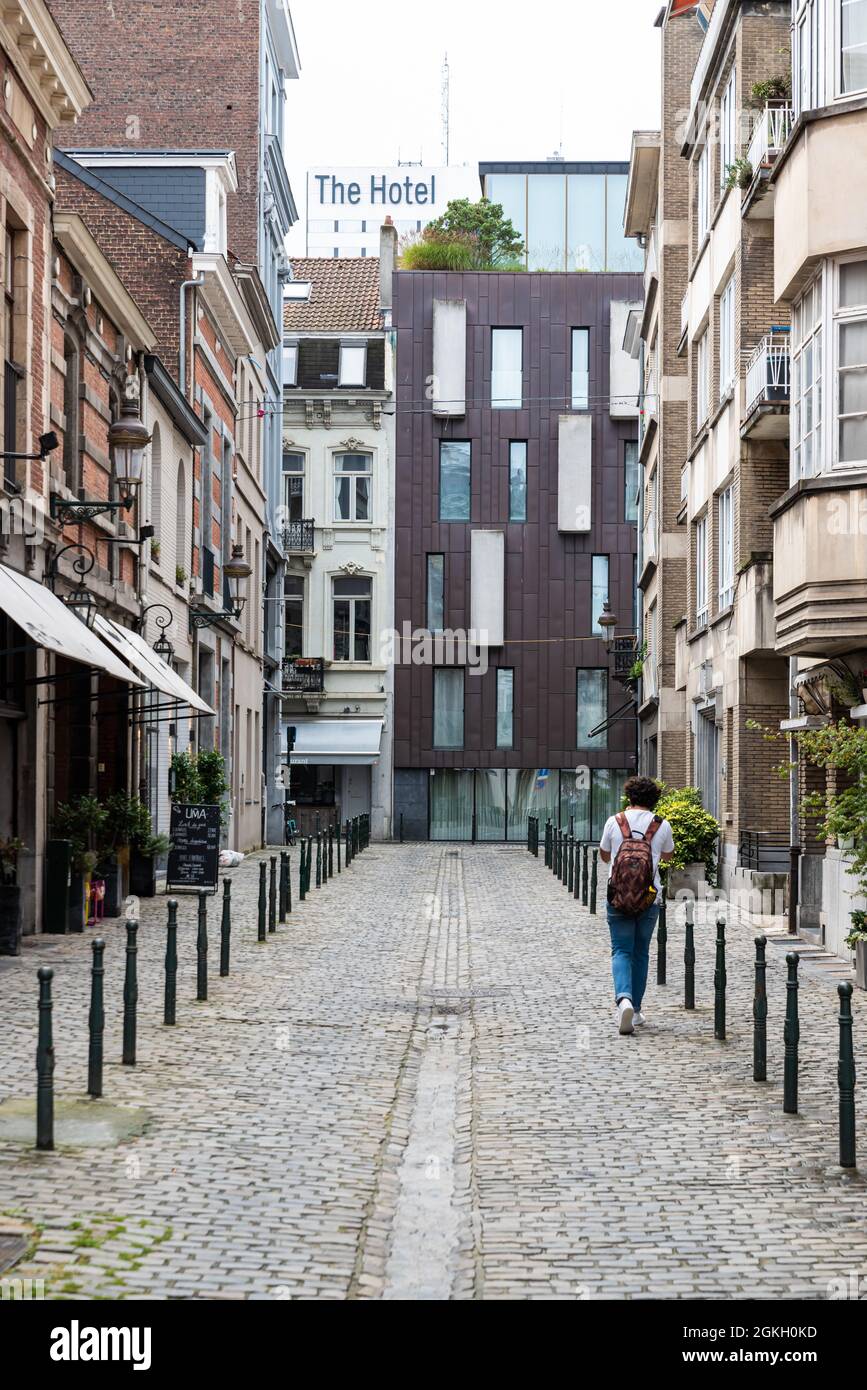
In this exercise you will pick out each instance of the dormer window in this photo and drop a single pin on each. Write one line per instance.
(290, 362)
(353, 364)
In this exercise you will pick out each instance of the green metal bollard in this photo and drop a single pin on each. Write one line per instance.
(846, 1078)
(689, 959)
(202, 951)
(45, 1063)
(96, 1020)
(288, 884)
(302, 891)
(283, 885)
(337, 838)
(719, 983)
(594, 880)
(570, 880)
(319, 859)
(577, 884)
(263, 901)
(791, 1038)
(130, 995)
(585, 877)
(331, 851)
(272, 896)
(169, 1006)
(662, 940)
(325, 874)
(348, 859)
(760, 1014)
(226, 929)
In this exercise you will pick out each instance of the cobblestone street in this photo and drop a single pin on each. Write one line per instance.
(416, 1090)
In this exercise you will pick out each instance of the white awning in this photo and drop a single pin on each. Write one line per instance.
(336, 742)
(50, 624)
(134, 649)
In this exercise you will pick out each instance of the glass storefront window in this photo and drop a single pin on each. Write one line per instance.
(528, 798)
(575, 803)
(451, 805)
(608, 784)
(546, 197)
(491, 804)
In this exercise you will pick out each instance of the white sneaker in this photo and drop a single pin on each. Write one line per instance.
(639, 1018)
(625, 1013)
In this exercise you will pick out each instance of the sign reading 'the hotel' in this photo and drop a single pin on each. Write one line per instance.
(376, 190)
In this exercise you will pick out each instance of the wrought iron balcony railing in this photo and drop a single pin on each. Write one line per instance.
(303, 675)
(763, 852)
(298, 538)
(768, 371)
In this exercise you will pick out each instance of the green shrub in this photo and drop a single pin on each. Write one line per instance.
(695, 830)
(200, 780)
(448, 251)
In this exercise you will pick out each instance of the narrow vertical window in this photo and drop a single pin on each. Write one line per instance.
(507, 365)
(727, 339)
(352, 479)
(505, 708)
(600, 592)
(592, 708)
(293, 593)
(580, 368)
(352, 612)
(728, 131)
(435, 593)
(726, 557)
(448, 708)
(701, 573)
(455, 465)
(630, 480)
(702, 404)
(703, 194)
(518, 480)
(353, 364)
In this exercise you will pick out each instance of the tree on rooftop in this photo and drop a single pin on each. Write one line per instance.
(468, 236)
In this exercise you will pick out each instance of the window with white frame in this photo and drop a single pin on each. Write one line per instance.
(703, 194)
(851, 350)
(353, 364)
(352, 599)
(701, 572)
(728, 139)
(807, 374)
(352, 480)
(293, 487)
(290, 363)
(808, 58)
(726, 534)
(507, 364)
(702, 402)
(853, 46)
(580, 368)
(727, 339)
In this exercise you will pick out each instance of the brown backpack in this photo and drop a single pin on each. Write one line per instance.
(630, 887)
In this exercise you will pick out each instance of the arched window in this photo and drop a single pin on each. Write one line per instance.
(71, 365)
(181, 524)
(156, 508)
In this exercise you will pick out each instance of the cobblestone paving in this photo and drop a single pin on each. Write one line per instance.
(415, 1089)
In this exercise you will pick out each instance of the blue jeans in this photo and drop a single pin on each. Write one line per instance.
(630, 952)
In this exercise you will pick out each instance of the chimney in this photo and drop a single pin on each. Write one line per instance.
(387, 263)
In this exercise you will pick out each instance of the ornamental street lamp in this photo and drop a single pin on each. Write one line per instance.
(79, 600)
(608, 622)
(165, 617)
(128, 439)
(237, 571)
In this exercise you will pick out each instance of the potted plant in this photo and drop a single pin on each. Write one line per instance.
(155, 552)
(773, 91)
(82, 822)
(180, 576)
(857, 942)
(10, 898)
(142, 864)
(739, 174)
(696, 836)
(127, 822)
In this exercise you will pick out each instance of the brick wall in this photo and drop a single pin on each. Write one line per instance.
(173, 76)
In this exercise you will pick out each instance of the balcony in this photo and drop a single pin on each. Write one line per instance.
(304, 675)
(770, 133)
(820, 566)
(299, 537)
(766, 413)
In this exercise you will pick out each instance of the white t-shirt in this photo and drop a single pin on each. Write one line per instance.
(639, 819)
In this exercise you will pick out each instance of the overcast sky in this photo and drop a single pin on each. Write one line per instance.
(527, 79)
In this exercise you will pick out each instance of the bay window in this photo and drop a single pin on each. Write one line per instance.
(853, 46)
(829, 51)
(851, 328)
(807, 374)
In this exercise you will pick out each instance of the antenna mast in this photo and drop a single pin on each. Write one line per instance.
(446, 80)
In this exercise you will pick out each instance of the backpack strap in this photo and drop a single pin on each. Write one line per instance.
(623, 825)
(652, 829)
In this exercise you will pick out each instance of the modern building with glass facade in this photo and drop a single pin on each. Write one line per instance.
(515, 522)
(568, 214)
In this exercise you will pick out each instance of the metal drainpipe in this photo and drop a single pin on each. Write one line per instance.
(182, 354)
(794, 808)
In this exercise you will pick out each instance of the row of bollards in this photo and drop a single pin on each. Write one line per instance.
(575, 863)
(275, 901)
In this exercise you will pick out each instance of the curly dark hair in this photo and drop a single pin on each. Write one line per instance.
(643, 791)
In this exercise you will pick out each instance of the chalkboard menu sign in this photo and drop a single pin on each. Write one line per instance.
(195, 852)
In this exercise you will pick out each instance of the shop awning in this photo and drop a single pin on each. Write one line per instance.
(135, 650)
(50, 624)
(336, 742)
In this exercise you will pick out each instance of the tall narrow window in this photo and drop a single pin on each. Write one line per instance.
(352, 479)
(727, 339)
(600, 591)
(518, 480)
(702, 213)
(701, 572)
(181, 572)
(352, 612)
(853, 40)
(12, 372)
(455, 465)
(353, 364)
(702, 404)
(505, 709)
(726, 523)
(507, 365)
(293, 594)
(436, 593)
(290, 363)
(71, 472)
(580, 368)
(293, 489)
(592, 708)
(448, 708)
(155, 515)
(728, 131)
(631, 480)
(852, 363)
(806, 389)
